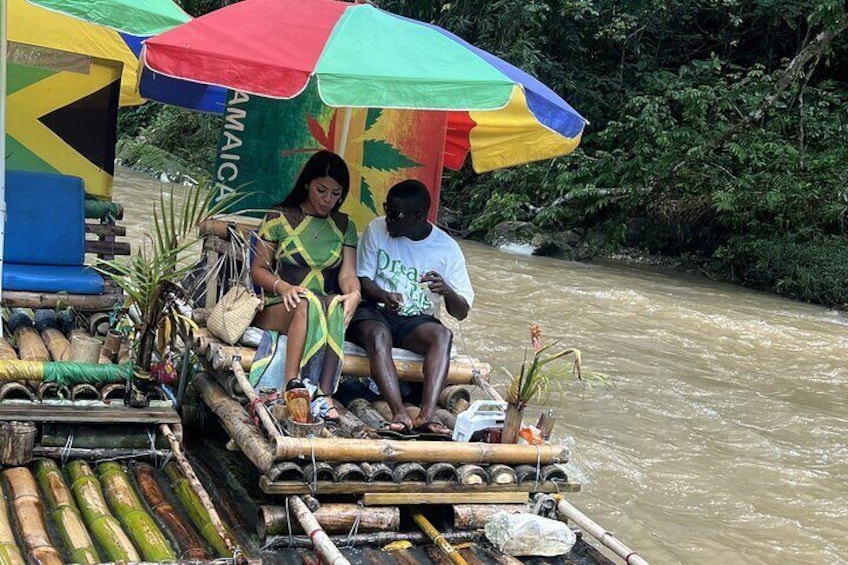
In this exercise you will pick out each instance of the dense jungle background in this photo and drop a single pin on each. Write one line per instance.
(718, 135)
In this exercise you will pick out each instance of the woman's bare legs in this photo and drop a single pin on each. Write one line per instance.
(291, 323)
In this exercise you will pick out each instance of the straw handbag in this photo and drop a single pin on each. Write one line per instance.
(232, 315)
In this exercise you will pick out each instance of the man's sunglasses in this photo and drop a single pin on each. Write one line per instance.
(394, 215)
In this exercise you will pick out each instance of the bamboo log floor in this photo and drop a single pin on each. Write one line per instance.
(227, 475)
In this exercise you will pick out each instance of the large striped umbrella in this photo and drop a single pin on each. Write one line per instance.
(361, 56)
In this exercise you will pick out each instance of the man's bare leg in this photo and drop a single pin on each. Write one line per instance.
(377, 341)
(433, 341)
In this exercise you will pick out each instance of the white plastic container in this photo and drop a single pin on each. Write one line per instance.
(480, 415)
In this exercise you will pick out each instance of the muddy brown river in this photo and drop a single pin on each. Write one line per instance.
(724, 438)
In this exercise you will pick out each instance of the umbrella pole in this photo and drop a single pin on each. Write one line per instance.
(345, 130)
(4, 9)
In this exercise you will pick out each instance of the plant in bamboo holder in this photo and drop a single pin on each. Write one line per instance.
(151, 278)
(535, 379)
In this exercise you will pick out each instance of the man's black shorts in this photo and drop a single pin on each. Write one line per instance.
(399, 326)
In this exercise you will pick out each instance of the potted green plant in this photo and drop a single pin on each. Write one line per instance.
(151, 278)
(534, 379)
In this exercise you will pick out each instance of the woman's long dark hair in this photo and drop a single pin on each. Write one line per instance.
(321, 164)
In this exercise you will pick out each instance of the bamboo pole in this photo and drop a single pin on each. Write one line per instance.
(438, 539)
(601, 534)
(53, 391)
(382, 408)
(7, 352)
(474, 516)
(126, 505)
(85, 392)
(258, 406)
(15, 387)
(100, 521)
(512, 423)
(222, 356)
(124, 353)
(546, 424)
(85, 349)
(377, 472)
(193, 507)
(350, 424)
(409, 472)
(348, 472)
(483, 383)
(57, 344)
(197, 488)
(236, 421)
(356, 450)
(99, 436)
(16, 442)
(363, 410)
(79, 302)
(334, 518)
(60, 504)
(377, 539)
(451, 394)
(325, 548)
(98, 454)
(197, 512)
(501, 475)
(460, 371)
(442, 472)
(472, 475)
(9, 552)
(30, 345)
(30, 513)
(188, 541)
(342, 450)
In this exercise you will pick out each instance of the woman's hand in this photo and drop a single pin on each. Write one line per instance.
(292, 296)
(349, 302)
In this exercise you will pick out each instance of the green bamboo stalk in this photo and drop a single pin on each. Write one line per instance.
(105, 527)
(124, 501)
(9, 552)
(60, 504)
(196, 511)
(186, 538)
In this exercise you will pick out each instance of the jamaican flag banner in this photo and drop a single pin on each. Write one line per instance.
(62, 115)
(264, 143)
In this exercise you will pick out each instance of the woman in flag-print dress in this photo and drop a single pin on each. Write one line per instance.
(306, 262)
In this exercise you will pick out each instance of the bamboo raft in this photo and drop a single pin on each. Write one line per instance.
(87, 479)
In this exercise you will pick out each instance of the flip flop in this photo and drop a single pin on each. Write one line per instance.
(434, 431)
(404, 433)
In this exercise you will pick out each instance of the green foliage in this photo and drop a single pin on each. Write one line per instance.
(814, 270)
(150, 277)
(190, 137)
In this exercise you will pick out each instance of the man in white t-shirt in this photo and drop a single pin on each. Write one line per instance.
(407, 268)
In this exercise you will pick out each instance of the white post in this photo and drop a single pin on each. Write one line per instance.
(345, 130)
(608, 539)
(4, 7)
